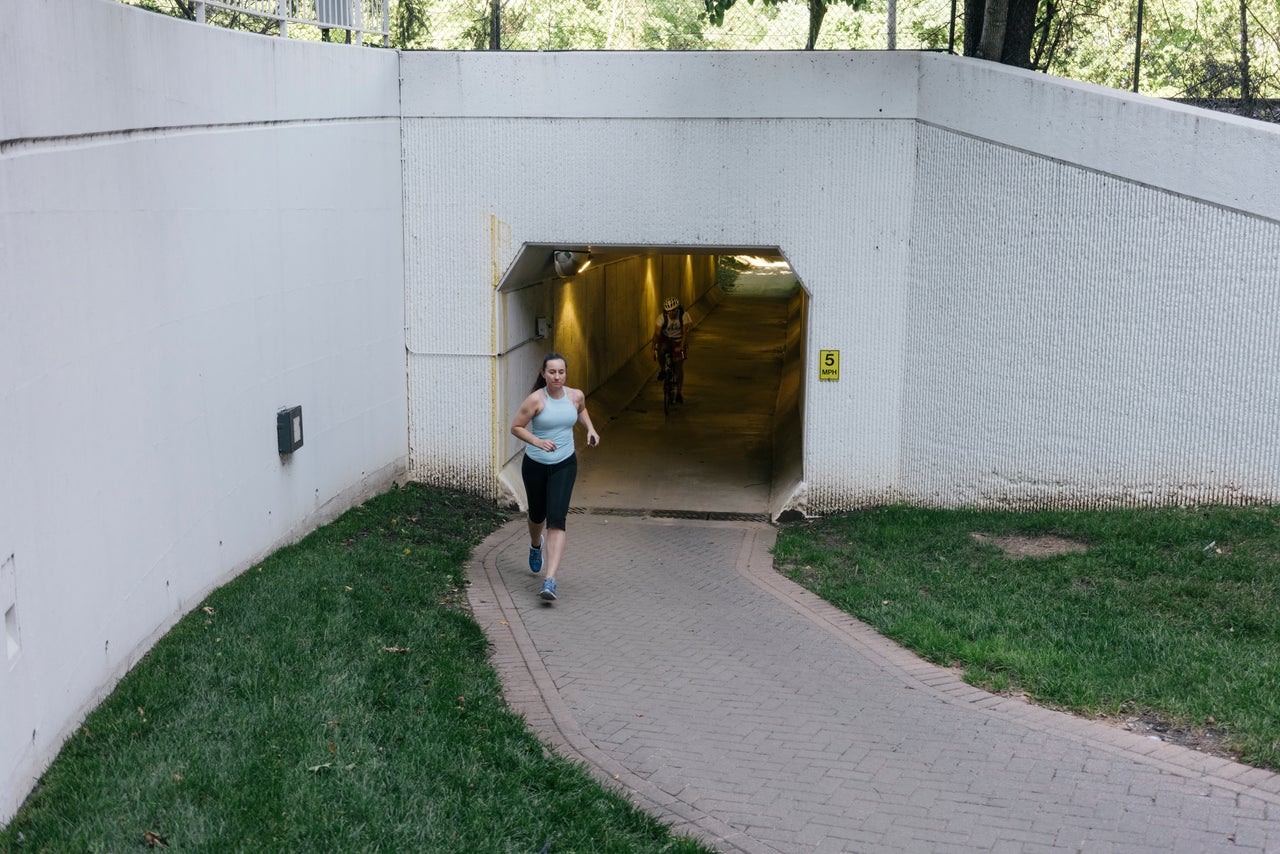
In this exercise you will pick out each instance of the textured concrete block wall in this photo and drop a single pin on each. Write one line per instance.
(1037, 287)
(1075, 338)
(488, 171)
(1093, 302)
(197, 231)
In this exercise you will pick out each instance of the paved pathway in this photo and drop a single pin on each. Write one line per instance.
(736, 706)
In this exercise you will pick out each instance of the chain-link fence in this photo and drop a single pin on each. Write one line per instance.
(664, 25)
(1224, 54)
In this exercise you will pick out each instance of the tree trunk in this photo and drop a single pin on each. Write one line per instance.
(1019, 32)
(973, 12)
(1004, 31)
(1246, 91)
(1137, 48)
(817, 11)
(994, 17)
(1045, 38)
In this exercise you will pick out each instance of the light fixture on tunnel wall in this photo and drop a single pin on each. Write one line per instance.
(570, 263)
(289, 429)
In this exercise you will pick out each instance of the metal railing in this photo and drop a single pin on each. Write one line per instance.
(355, 17)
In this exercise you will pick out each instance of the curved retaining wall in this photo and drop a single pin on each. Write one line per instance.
(197, 228)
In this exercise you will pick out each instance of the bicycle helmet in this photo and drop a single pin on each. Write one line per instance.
(670, 303)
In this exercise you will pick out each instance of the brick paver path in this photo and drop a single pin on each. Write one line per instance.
(733, 704)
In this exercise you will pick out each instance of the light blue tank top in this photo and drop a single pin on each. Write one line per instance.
(554, 422)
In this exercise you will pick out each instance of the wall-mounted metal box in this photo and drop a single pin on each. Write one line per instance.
(289, 429)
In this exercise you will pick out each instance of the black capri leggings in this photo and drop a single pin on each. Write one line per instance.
(548, 487)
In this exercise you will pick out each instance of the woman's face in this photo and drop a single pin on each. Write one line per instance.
(554, 372)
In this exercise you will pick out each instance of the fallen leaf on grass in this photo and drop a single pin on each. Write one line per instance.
(395, 649)
(315, 769)
(208, 610)
(154, 839)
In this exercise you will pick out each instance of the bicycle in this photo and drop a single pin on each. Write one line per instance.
(667, 367)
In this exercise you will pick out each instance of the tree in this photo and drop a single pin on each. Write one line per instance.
(1003, 30)
(817, 11)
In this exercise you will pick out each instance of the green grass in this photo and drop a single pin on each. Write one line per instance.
(1172, 615)
(336, 697)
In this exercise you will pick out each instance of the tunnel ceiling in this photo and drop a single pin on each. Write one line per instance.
(533, 263)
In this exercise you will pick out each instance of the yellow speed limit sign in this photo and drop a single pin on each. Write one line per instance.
(828, 364)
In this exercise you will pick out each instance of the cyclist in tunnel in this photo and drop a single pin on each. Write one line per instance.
(671, 335)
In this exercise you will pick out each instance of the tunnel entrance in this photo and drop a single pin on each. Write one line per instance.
(733, 448)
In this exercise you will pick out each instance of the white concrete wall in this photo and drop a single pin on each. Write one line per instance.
(1042, 291)
(1094, 298)
(197, 228)
(806, 152)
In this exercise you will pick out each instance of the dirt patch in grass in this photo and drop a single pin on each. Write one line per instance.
(1206, 739)
(1025, 545)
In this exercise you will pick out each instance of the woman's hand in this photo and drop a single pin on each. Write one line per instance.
(593, 438)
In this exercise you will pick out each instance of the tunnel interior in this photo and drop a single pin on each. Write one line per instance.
(734, 448)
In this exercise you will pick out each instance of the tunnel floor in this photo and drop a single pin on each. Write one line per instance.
(712, 456)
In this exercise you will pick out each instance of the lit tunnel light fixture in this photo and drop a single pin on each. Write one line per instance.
(569, 262)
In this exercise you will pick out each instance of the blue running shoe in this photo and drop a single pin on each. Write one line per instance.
(548, 589)
(535, 555)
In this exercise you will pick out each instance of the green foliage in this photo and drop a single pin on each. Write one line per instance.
(816, 10)
(336, 697)
(1190, 49)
